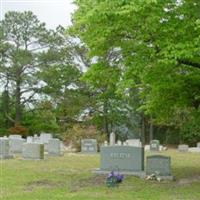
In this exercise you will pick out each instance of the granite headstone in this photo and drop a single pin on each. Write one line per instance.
(154, 145)
(5, 149)
(89, 146)
(159, 165)
(33, 151)
(122, 158)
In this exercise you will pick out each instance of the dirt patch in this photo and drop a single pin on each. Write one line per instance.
(187, 181)
(42, 183)
(96, 180)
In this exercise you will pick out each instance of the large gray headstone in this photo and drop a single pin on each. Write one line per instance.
(33, 151)
(134, 142)
(5, 149)
(89, 146)
(159, 165)
(183, 148)
(112, 139)
(198, 145)
(122, 158)
(154, 145)
(16, 145)
(54, 147)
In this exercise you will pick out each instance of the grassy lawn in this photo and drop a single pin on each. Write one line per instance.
(70, 177)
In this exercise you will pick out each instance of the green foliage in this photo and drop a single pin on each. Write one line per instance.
(42, 119)
(157, 45)
(190, 132)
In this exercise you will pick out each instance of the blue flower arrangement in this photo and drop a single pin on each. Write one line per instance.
(114, 178)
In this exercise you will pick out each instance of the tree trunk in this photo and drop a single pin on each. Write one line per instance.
(143, 130)
(105, 112)
(18, 111)
(151, 130)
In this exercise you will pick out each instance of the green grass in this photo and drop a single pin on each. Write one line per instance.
(70, 177)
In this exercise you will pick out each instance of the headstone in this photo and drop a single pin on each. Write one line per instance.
(147, 147)
(119, 142)
(134, 142)
(29, 139)
(33, 151)
(154, 145)
(36, 139)
(105, 143)
(16, 145)
(198, 145)
(183, 148)
(54, 147)
(122, 158)
(194, 150)
(45, 137)
(4, 149)
(89, 146)
(159, 165)
(15, 136)
(125, 143)
(161, 148)
(112, 139)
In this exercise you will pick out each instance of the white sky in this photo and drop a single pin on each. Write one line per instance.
(52, 12)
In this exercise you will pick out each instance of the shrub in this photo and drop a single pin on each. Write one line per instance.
(77, 132)
(190, 131)
(18, 129)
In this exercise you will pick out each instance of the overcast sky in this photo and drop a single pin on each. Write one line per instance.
(52, 12)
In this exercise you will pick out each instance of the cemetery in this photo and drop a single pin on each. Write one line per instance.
(99, 100)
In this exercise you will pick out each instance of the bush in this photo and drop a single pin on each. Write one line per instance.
(77, 132)
(190, 131)
(18, 129)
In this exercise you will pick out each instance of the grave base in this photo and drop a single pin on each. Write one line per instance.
(169, 178)
(55, 154)
(140, 174)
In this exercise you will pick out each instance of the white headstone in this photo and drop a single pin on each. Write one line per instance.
(134, 142)
(147, 147)
(45, 137)
(112, 139)
(16, 145)
(194, 150)
(29, 139)
(198, 145)
(183, 148)
(105, 143)
(54, 147)
(4, 149)
(33, 151)
(119, 142)
(15, 136)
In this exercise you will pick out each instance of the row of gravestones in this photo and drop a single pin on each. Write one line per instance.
(186, 148)
(30, 149)
(128, 158)
(90, 145)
